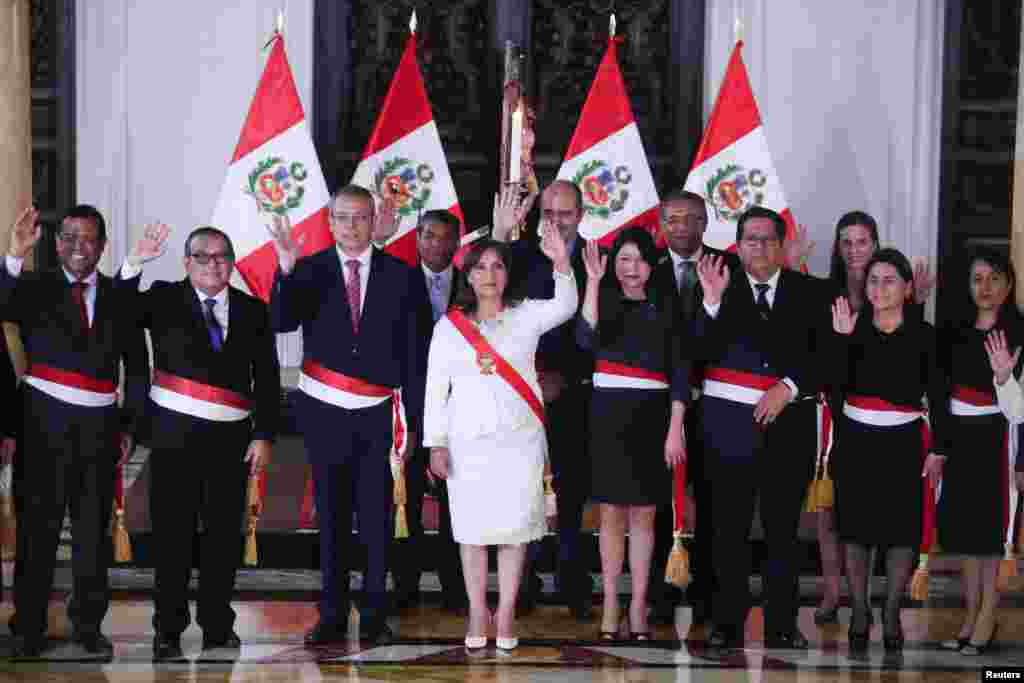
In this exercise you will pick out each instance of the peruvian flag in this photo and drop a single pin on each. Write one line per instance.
(274, 170)
(403, 160)
(733, 169)
(606, 159)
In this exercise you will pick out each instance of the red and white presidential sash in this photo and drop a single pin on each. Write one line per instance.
(736, 385)
(491, 362)
(353, 393)
(612, 375)
(198, 399)
(71, 387)
(878, 412)
(970, 402)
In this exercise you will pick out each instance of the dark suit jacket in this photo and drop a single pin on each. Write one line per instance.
(10, 415)
(388, 350)
(52, 333)
(247, 363)
(789, 344)
(663, 281)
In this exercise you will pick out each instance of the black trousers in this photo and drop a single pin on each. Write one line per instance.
(409, 555)
(69, 454)
(746, 462)
(207, 477)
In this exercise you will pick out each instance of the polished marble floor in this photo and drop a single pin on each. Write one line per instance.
(553, 647)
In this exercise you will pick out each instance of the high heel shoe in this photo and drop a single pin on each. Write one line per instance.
(476, 642)
(975, 650)
(954, 644)
(506, 644)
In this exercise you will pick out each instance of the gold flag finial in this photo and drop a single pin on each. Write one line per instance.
(412, 22)
(611, 26)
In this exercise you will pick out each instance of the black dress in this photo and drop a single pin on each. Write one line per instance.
(628, 426)
(877, 470)
(975, 481)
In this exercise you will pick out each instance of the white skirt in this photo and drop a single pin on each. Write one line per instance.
(496, 487)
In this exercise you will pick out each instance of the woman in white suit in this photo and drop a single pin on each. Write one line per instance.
(484, 422)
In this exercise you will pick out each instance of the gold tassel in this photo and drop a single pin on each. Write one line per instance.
(122, 542)
(253, 504)
(1007, 570)
(919, 583)
(811, 500)
(677, 571)
(399, 496)
(550, 499)
(826, 492)
(8, 544)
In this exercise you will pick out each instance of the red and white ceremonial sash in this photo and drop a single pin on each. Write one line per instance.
(736, 385)
(970, 402)
(878, 412)
(611, 375)
(198, 399)
(71, 387)
(489, 358)
(353, 393)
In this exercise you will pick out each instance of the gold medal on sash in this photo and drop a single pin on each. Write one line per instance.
(486, 363)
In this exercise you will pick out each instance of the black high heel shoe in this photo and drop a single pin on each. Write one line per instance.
(892, 642)
(858, 637)
(975, 650)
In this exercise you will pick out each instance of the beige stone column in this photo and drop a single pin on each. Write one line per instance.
(1017, 208)
(15, 129)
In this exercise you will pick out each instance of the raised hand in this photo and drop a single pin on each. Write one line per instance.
(844, 320)
(151, 245)
(798, 249)
(594, 260)
(510, 210)
(924, 281)
(289, 250)
(25, 233)
(999, 356)
(713, 274)
(387, 221)
(553, 246)
(932, 469)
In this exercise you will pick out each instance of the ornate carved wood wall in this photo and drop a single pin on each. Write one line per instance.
(53, 115)
(359, 43)
(982, 54)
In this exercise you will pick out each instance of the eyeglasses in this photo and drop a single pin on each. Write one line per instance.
(766, 242)
(73, 238)
(351, 217)
(205, 259)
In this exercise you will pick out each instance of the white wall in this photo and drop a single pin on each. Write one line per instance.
(850, 96)
(163, 89)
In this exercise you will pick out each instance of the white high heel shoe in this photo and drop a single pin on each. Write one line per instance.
(476, 642)
(506, 644)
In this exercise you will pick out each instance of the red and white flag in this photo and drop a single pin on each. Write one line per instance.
(274, 170)
(403, 160)
(733, 169)
(606, 159)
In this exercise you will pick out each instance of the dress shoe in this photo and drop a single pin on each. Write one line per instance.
(724, 639)
(167, 647)
(582, 612)
(93, 642)
(786, 641)
(29, 648)
(375, 631)
(221, 642)
(325, 633)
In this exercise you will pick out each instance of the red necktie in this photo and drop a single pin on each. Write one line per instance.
(78, 294)
(352, 285)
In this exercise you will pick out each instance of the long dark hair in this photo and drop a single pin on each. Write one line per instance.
(1001, 264)
(466, 299)
(837, 271)
(610, 310)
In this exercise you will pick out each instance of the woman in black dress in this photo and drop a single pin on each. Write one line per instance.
(641, 385)
(978, 470)
(856, 241)
(886, 363)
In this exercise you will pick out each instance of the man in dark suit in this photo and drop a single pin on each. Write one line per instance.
(437, 240)
(364, 315)
(77, 329)
(758, 333)
(683, 219)
(211, 419)
(564, 371)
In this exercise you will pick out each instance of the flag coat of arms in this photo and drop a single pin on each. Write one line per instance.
(606, 159)
(404, 161)
(733, 169)
(274, 170)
